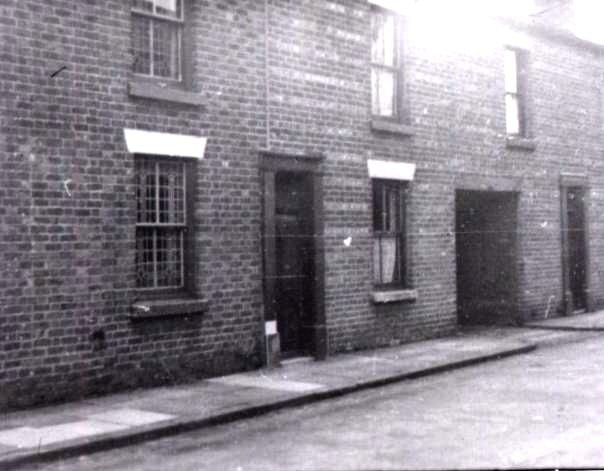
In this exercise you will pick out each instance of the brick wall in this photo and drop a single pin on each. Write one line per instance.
(66, 181)
(68, 215)
(456, 109)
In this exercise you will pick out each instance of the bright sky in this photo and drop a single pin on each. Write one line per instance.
(490, 7)
(590, 20)
(587, 24)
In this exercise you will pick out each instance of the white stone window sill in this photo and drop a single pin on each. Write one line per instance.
(167, 307)
(392, 127)
(393, 296)
(523, 143)
(145, 89)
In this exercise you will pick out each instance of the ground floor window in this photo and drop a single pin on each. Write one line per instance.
(389, 257)
(161, 222)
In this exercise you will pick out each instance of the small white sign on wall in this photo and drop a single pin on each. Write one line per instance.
(270, 328)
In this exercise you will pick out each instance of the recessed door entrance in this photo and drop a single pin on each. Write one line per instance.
(574, 248)
(294, 261)
(485, 243)
(293, 257)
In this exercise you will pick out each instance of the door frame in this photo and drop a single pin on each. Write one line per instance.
(568, 181)
(271, 163)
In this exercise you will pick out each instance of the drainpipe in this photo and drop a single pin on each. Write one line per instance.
(267, 87)
(271, 336)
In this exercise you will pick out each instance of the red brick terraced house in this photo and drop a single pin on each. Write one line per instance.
(190, 188)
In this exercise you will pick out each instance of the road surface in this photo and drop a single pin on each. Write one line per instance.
(544, 409)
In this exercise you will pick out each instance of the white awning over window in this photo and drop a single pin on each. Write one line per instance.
(391, 170)
(161, 143)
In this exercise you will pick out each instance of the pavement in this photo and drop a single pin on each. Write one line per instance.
(127, 418)
(579, 322)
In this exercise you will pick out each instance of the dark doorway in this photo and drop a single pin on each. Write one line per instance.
(294, 261)
(574, 226)
(485, 242)
(293, 256)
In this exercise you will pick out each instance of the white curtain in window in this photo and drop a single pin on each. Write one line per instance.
(383, 83)
(512, 122)
(383, 43)
(169, 5)
(388, 259)
(511, 71)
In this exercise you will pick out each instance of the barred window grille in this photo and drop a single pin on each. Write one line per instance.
(157, 37)
(389, 233)
(384, 63)
(161, 223)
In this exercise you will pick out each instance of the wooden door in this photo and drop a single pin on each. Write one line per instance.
(576, 247)
(293, 257)
(486, 249)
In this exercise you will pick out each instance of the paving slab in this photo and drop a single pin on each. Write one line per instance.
(131, 417)
(127, 418)
(38, 437)
(582, 321)
(267, 382)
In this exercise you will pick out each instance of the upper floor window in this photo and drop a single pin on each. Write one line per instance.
(384, 64)
(389, 254)
(161, 222)
(157, 30)
(515, 92)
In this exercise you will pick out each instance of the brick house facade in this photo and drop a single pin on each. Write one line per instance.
(270, 130)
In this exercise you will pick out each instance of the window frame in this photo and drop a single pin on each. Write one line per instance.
(395, 69)
(186, 286)
(182, 54)
(401, 188)
(520, 94)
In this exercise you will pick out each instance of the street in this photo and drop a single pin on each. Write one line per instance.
(542, 409)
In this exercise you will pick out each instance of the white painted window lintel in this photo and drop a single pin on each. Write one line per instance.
(391, 170)
(161, 143)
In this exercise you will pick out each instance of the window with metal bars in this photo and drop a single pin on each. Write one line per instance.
(515, 92)
(157, 30)
(385, 30)
(389, 254)
(161, 222)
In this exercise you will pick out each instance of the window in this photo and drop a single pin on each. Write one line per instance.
(161, 222)
(515, 92)
(157, 28)
(384, 64)
(389, 233)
